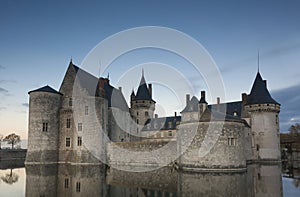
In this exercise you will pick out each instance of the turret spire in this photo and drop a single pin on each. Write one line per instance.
(258, 60)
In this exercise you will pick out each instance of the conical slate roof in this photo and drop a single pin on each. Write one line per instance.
(143, 92)
(192, 105)
(45, 89)
(259, 93)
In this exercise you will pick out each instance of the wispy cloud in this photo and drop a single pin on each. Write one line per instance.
(273, 53)
(289, 98)
(2, 90)
(2, 67)
(25, 104)
(7, 81)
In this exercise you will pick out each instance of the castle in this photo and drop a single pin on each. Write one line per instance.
(88, 121)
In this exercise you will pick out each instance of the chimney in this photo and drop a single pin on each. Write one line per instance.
(150, 89)
(175, 114)
(218, 100)
(156, 115)
(203, 94)
(265, 82)
(187, 99)
(120, 88)
(244, 98)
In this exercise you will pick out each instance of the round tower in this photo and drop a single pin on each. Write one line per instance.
(264, 121)
(43, 125)
(142, 104)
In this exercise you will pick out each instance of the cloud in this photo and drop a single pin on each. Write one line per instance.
(270, 54)
(25, 104)
(2, 108)
(289, 98)
(7, 81)
(2, 90)
(2, 67)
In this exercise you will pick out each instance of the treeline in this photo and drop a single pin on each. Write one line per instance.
(12, 139)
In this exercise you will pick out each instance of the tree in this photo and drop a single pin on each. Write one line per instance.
(295, 129)
(1, 138)
(12, 139)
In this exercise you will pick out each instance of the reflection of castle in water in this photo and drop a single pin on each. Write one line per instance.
(81, 180)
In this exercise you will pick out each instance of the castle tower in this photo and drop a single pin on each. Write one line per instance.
(43, 129)
(142, 105)
(263, 111)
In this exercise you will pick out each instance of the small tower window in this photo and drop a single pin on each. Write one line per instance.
(235, 113)
(68, 123)
(79, 141)
(67, 183)
(79, 126)
(45, 126)
(170, 134)
(276, 119)
(68, 142)
(137, 113)
(231, 141)
(86, 110)
(77, 186)
(70, 102)
(137, 121)
(146, 113)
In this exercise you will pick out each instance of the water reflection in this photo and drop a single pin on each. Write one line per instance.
(10, 177)
(81, 180)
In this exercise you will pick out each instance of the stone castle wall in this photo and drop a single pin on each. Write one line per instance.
(215, 145)
(150, 154)
(88, 121)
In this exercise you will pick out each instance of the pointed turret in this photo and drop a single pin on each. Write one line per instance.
(259, 93)
(132, 96)
(142, 104)
(143, 92)
(264, 121)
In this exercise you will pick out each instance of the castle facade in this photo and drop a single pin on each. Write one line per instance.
(88, 121)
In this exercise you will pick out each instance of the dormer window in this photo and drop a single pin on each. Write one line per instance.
(235, 113)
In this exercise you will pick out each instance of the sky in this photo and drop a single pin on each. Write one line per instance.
(38, 39)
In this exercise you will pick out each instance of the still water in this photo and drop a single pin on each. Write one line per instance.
(88, 181)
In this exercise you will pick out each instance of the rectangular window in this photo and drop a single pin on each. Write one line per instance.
(66, 183)
(77, 186)
(86, 110)
(68, 142)
(146, 113)
(45, 126)
(170, 134)
(79, 141)
(79, 126)
(231, 141)
(70, 102)
(68, 123)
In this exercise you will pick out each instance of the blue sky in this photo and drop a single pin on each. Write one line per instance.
(37, 39)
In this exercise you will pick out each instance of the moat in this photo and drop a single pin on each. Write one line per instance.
(82, 180)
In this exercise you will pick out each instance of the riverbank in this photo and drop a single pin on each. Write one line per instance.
(12, 157)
